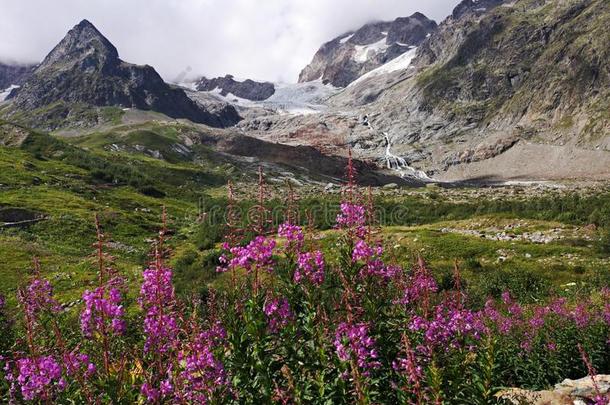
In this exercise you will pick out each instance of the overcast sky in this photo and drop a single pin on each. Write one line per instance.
(260, 39)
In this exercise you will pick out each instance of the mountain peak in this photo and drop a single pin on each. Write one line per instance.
(85, 24)
(349, 56)
(83, 45)
(85, 68)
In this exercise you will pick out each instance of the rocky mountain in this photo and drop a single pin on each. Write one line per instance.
(346, 58)
(500, 89)
(84, 68)
(246, 89)
(489, 78)
(13, 74)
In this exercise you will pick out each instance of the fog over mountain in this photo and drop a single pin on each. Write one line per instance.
(270, 40)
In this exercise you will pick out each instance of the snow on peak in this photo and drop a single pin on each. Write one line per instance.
(345, 39)
(399, 63)
(365, 52)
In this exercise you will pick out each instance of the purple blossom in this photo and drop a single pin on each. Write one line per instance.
(409, 366)
(151, 394)
(419, 285)
(38, 298)
(37, 376)
(157, 287)
(278, 314)
(293, 234)
(78, 363)
(376, 268)
(352, 216)
(581, 316)
(103, 312)
(362, 251)
(257, 254)
(203, 374)
(504, 324)
(352, 342)
(156, 299)
(448, 326)
(310, 265)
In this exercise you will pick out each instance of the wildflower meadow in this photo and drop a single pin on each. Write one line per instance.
(299, 322)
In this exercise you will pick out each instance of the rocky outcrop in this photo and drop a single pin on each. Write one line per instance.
(300, 158)
(568, 392)
(247, 89)
(12, 74)
(84, 68)
(346, 58)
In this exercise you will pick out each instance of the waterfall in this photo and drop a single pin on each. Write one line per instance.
(394, 162)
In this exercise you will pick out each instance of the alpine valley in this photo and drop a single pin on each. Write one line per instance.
(419, 173)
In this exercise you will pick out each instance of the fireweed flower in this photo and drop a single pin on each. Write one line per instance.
(352, 342)
(310, 265)
(353, 217)
(362, 251)
(408, 365)
(503, 324)
(103, 312)
(78, 363)
(38, 377)
(581, 316)
(421, 283)
(37, 298)
(156, 299)
(257, 254)
(203, 374)
(278, 314)
(449, 326)
(294, 236)
(376, 268)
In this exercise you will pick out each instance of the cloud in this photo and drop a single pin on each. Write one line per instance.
(262, 39)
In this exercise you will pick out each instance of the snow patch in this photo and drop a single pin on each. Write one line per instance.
(347, 38)
(289, 98)
(366, 52)
(4, 93)
(401, 62)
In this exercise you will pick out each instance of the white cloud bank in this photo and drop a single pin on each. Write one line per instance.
(262, 39)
